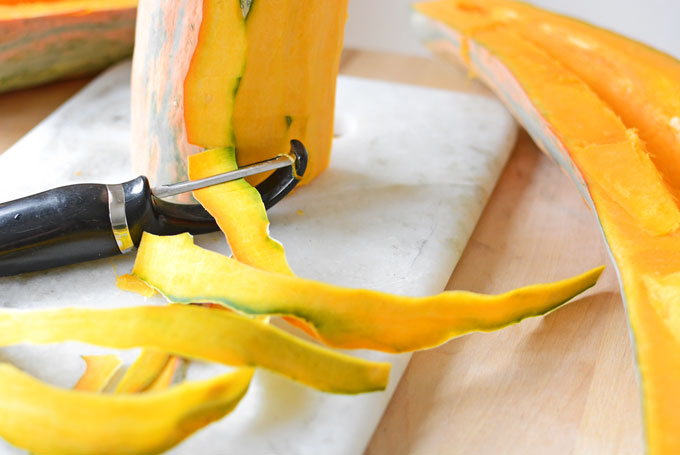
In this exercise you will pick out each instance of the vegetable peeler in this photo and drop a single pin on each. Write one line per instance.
(83, 222)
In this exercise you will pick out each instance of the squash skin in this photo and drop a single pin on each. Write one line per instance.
(48, 41)
(99, 370)
(647, 261)
(268, 111)
(343, 318)
(106, 424)
(144, 371)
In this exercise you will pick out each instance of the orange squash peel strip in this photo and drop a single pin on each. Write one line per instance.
(343, 318)
(166, 375)
(33, 414)
(198, 333)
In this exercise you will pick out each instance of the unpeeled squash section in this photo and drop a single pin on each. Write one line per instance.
(611, 166)
(573, 119)
(238, 209)
(46, 40)
(198, 333)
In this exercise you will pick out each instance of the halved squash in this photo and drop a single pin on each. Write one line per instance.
(551, 84)
(48, 420)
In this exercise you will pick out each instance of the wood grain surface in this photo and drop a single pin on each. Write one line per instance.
(563, 384)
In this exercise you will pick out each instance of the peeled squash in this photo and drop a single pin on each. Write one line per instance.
(606, 109)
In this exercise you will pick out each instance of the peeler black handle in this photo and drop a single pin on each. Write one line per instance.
(57, 227)
(83, 222)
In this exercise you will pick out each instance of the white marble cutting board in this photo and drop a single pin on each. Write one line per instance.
(409, 177)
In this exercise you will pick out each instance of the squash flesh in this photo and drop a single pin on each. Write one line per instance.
(302, 48)
(648, 260)
(343, 318)
(285, 80)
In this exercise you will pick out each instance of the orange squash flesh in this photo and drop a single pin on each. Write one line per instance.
(578, 119)
(641, 84)
(301, 45)
(629, 199)
(99, 369)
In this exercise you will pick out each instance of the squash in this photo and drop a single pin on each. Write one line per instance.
(198, 333)
(203, 78)
(144, 371)
(48, 420)
(47, 40)
(551, 85)
(342, 318)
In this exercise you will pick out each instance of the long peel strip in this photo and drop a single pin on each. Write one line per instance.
(99, 370)
(198, 333)
(33, 414)
(343, 318)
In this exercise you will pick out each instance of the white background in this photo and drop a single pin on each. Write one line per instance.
(384, 24)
